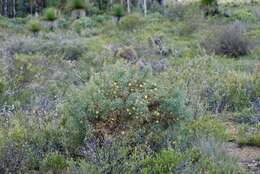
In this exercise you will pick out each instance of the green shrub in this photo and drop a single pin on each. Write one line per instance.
(83, 23)
(102, 18)
(34, 26)
(204, 157)
(209, 127)
(77, 4)
(131, 23)
(243, 15)
(123, 96)
(72, 53)
(249, 136)
(50, 14)
(118, 11)
(53, 162)
(25, 70)
(176, 12)
(164, 162)
(236, 89)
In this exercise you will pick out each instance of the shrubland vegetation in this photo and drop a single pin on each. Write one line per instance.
(93, 87)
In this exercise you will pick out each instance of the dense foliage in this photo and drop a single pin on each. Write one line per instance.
(127, 87)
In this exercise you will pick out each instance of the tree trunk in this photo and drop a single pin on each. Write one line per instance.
(145, 7)
(5, 6)
(128, 7)
(14, 8)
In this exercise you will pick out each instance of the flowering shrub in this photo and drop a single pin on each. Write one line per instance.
(120, 98)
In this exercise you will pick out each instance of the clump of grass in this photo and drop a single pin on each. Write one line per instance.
(249, 136)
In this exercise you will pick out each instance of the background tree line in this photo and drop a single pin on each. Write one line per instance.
(21, 8)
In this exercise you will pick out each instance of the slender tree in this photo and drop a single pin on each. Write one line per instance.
(128, 7)
(14, 8)
(5, 7)
(145, 7)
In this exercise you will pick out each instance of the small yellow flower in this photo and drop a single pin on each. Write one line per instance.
(146, 97)
(141, 86)
(129, 84)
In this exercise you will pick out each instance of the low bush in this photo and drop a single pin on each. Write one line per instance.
(202, 158)
(208, 127)
(117, 101)
(229, 40)
(53, 162)
(72, 53)
(84, 23)
(131, 23)
(176, 12)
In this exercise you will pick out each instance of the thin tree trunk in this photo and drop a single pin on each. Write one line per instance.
(145, 8)
(128, 7)
(1, 5)
(5, 5)
(111, 4)
(14, 8)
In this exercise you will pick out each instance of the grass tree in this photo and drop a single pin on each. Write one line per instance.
(34, 26)
(118, 11)
(50, 15)
(78, 8)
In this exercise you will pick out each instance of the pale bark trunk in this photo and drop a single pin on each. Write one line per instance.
(145, 7)
(111, 4)
(128, 7)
